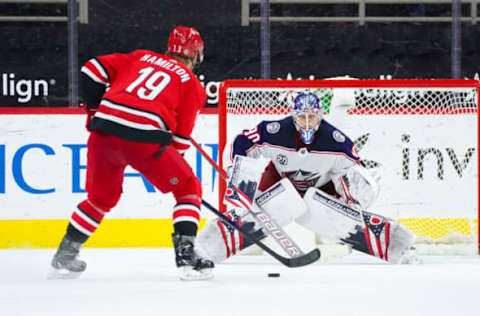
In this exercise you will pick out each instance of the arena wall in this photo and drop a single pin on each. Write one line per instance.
(42, 178)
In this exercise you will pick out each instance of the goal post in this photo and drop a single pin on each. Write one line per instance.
(420, 135)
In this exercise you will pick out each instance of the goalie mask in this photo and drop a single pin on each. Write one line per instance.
(307, 114)
(186, 41)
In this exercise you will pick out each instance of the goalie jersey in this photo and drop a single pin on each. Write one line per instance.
(329, 157)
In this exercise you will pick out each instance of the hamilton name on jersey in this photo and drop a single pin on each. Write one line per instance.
(176, 68)
(330, 154)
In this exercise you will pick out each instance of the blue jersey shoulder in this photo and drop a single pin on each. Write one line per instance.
(329, 138)
(279, 132)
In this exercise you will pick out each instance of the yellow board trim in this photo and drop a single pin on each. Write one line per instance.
(112, 233)
(118, 233)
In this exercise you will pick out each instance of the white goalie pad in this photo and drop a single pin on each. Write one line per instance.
(363, 231)
(325, 220)
(281, 202)
(359, 185)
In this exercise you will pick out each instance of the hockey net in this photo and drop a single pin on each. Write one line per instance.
(420, 135)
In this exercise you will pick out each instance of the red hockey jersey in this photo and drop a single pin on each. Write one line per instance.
(149, 97)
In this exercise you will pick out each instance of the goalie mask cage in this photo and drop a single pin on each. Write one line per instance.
(420, 135)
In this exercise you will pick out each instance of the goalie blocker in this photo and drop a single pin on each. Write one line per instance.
(317, 211)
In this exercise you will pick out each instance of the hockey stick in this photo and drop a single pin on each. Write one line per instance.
(301, 258)
(294, 262)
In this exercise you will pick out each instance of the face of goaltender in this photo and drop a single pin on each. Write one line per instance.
(307, 114)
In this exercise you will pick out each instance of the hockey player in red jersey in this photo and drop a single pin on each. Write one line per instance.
(142, 108)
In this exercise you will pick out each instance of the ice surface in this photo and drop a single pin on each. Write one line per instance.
(141, 282)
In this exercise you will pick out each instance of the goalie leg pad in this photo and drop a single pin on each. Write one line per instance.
(328, 216)
(401, 243)
(218, 241)
(364, 231)
(281, 203)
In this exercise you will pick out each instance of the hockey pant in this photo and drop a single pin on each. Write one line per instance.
(107, 158)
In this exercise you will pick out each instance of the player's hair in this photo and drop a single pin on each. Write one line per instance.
(184, 60)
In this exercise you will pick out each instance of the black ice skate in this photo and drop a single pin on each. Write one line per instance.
(65, 263)
(191, 266)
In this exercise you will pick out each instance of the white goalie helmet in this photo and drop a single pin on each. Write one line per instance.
(307, 114)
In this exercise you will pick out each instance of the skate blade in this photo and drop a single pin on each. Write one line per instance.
(188, 274)
(411, 257)
(62, 274)
(411, 260)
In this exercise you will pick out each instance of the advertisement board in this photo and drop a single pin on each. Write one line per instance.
(42, 179)
(428, 166)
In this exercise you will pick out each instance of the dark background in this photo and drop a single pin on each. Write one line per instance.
(39, 50)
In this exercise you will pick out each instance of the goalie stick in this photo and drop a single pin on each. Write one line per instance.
(294, 262)
(300, 260)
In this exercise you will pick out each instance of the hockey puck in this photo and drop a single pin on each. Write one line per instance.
(274, 275)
